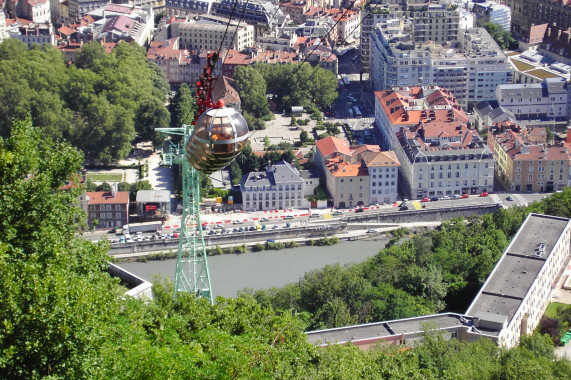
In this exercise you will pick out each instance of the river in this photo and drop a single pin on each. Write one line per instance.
(261, 270)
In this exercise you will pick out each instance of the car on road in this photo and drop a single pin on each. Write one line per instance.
(270, 241)
(434, 199)
(464, 196)
(252, 228)
(337, 212)
(446, 197)
(315, 215)
(425, 200)
(484, 194)
(403, 208)
(275, 227)
(264, 220)
(371, 231)
(510, 198)
(237, 222)
(288, 217)
(456, 196)
(241, 229)
(359, 210)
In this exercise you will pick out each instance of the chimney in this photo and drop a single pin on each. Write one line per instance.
(113, 190)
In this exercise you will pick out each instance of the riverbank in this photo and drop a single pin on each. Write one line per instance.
(382, 233)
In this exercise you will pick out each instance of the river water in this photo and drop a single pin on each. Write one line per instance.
(261, 270)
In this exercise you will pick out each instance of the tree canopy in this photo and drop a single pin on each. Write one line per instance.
(99, 103)
(288, 85)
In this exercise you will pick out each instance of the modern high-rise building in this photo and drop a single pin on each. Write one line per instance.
(470, 65)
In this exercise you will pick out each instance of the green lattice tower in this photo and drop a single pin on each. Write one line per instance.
(191, 273)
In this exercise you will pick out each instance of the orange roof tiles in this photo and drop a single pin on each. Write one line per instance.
(331, 145)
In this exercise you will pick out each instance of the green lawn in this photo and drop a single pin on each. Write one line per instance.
(522, 66)
(542, 74)
(551, 310)
(105, 177)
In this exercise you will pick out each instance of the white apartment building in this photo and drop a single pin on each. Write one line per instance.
(517, 292)
(470, 66)
(373, 13)
(532, 101)
(279, 187)
(201, 34)
(438, 154)
(383, 176)
(490, 11)
(33, 34)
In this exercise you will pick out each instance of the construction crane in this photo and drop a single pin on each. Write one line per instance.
(216, 136)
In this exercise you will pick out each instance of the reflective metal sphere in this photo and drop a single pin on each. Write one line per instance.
(219, 136)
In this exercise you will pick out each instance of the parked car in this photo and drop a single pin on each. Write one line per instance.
(456, 196)
(314, 215)
(241, 229)
(403, 208)
(434, 199)
(484, 194)
(371, 231)
(275, 227)
(237, 222)
(359, 210)
(288, 217)
(264, 220)
(337, 212)
(425, 200)
(446, 197)
(510, 198)
(464, 196)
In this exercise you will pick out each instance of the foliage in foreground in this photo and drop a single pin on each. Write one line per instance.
(62, 316)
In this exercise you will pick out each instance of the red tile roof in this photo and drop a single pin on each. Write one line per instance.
(331, 145)
(105, 198)
(66, 30)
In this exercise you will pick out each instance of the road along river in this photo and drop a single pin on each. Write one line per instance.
(261, 270)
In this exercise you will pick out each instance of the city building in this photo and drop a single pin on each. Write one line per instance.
(383, 172)
(524, 161)
(489, 11)
(526, 13)
(348, 30)
(439, 155)
(548, 100)
(153, 204)
(76, 9)
(357, 175)
(534, 66)
(489, 113)
(509, 305)
(280, 186)
(114, 23)
(37, 11)
(517, 292)
(179, 65)
(108, 209)
(471, 65)
(556, 44)
(188, 7)
(196, 35)
(373, 12)
(264, 15)
(32, 33)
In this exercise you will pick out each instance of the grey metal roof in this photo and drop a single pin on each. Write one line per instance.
(307, 174)
(386, 329)
(507, 286)
(153, 196)
(279, 173)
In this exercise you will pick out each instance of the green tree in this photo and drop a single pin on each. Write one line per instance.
(182, 107)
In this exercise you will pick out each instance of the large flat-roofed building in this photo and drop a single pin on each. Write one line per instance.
(197, 35)
(520, 287)
(509, 305)
(470, 65)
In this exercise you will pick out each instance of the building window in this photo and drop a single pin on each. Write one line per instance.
(117, 215)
